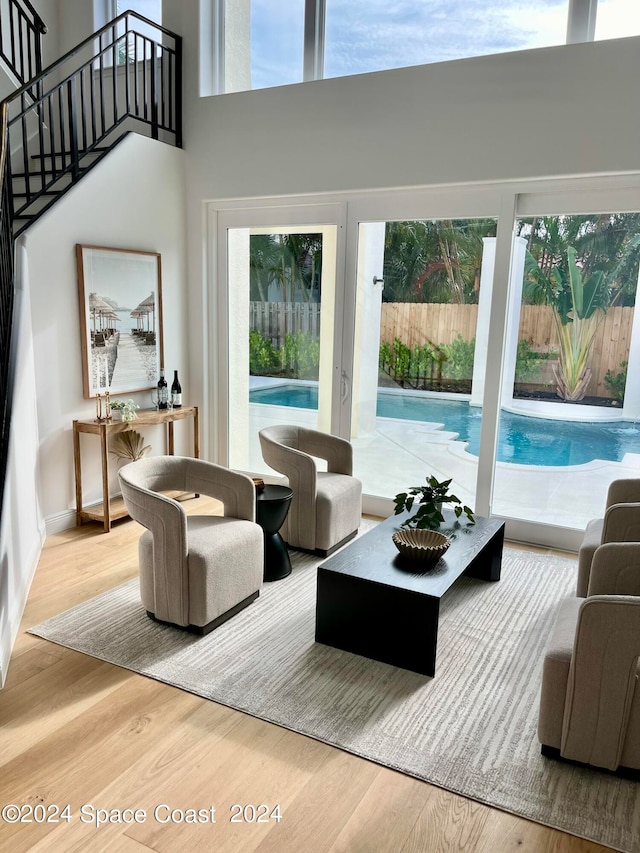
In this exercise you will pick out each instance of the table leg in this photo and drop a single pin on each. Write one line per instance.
(77, 464)
(170, 437)
(196, 434)
(487, 564)
(376, 621)
(105, 480)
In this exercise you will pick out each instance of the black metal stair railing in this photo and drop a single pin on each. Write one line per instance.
(126, 76)
(7, 293)
(21, 31)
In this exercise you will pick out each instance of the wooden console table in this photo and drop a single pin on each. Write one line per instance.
(114, 508)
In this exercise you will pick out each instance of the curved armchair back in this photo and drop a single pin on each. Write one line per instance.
(326, 505)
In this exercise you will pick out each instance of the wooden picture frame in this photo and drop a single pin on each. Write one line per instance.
(120, 297)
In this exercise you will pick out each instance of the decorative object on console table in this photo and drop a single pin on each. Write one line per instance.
(430, 498)
(163, 392)
(129, 445)
(110, 509)
(120, 301)
(126, 409)
(176, 392)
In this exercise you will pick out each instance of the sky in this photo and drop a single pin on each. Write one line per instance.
(369, 35)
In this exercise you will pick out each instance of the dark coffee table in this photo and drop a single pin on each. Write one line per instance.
(376, 603)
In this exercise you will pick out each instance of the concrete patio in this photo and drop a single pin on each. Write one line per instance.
(401, 453)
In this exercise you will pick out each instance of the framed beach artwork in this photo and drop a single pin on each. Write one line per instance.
(120, 295)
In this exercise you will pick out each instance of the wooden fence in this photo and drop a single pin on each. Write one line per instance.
(275, 320)
(439, 323)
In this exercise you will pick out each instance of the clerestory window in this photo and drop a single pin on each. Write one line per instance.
(254, 44)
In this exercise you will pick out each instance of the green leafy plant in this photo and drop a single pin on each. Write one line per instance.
(459, 358)
(413, 367)
(616, 382)
(263, 357)
(301, 355)
(580, 302)
(126, 407)
(430, 498)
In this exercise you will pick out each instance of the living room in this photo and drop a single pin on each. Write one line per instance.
(291, 153)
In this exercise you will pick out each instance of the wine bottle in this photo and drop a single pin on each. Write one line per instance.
(176, 391)
(163, 391)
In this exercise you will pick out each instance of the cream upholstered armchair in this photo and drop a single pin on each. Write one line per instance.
(196, 571)
(590, 699)
(326, 508)
(621, 523)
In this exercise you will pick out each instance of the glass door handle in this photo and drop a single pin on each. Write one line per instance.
(345, 386)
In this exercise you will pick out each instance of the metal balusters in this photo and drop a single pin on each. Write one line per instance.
(21, 47)
(79, 114)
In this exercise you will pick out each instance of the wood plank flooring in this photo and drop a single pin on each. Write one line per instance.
(75, 731)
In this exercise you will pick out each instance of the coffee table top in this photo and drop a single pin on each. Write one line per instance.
(373, 556)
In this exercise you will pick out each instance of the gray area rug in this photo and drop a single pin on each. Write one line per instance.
(471, 729)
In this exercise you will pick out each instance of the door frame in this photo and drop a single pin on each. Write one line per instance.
(260, 216)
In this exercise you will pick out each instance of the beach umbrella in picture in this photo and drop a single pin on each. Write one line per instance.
(98, 308)
(149, 306)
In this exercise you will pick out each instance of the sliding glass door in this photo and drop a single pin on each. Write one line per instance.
(459, 333)
(279, 321)
(421, 330)
(570, 407)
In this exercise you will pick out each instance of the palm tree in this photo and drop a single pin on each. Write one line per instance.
(434, 260)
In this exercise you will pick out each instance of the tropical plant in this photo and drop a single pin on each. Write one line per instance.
(460, 355)
(434, 260)
(616, 382)
(430, 498)
(529, 361)
(292, 261)
(579, 305)
(263, 357)
(301, 355)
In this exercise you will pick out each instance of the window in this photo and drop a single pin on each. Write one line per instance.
(151, 9)
(371, 35)
(617, 19)
(277, 42)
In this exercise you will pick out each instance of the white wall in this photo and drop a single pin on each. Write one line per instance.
(133, 200)
(555, 112)
(22, 524)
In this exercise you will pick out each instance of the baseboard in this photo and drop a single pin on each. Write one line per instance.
(60, 522)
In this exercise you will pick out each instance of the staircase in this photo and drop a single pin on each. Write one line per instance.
(126, 77)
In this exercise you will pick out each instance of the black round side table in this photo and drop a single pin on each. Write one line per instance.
(272, 506)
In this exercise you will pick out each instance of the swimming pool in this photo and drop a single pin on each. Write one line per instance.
(524, 440)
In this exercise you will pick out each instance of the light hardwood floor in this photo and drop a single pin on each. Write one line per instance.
(76, 731)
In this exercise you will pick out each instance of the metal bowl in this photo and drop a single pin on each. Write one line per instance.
(425, 545)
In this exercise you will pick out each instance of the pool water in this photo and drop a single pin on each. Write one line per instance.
(524, 440)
